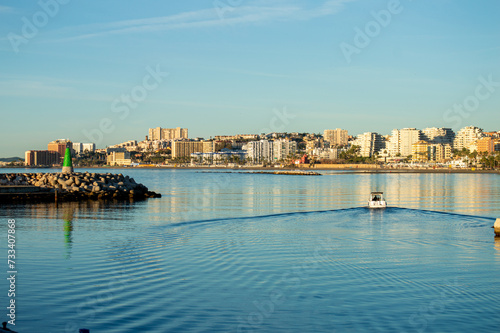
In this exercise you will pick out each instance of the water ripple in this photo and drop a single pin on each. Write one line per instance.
(314, 270)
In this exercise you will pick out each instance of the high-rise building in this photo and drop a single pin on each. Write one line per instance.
(90, 147)
(486, 145)
(186, 148)
(82, 147)
(259, 151)
(466, 137)
(209, 147)
(77, 147)
(60, 146)
(401, 141)
(41, 158)
(336, 137)
(438, 135)
(159, 133)
(269, 151)
(283, 149)
(154, 134)
(369, 143)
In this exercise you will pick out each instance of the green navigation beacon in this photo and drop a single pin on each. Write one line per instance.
(67, 164)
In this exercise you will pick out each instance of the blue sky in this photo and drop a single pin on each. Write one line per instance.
(233, 64)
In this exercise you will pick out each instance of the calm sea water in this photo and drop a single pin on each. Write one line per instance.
(223, 252)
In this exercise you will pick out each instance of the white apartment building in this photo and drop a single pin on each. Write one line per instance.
(259, 151)
(401, 141)
(467, 136)
(82, 147)
(269, 151)
(438, 135)
(78, 147)
(283, 148)
(88, 147)
(369, 143)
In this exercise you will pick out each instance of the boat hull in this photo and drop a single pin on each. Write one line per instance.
(377, 204)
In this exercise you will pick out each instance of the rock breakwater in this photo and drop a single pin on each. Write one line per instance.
(75, 186)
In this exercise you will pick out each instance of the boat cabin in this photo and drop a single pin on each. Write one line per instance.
(377, 200)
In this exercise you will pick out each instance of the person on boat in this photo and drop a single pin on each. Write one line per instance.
(5, 329)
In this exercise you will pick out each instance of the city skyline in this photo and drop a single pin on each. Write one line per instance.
(40, 146)
(229, 67)
(439, 145)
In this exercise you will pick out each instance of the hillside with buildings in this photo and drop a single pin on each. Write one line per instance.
(435, 147)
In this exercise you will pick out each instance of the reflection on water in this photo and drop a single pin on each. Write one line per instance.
(354, 269)
(497, 246)
(210, 253)
(191, 194)
(68, 215)
(188, 193)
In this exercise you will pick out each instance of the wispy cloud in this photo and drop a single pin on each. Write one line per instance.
(48, 89)
(330, 7)
(5, 9)
(253, 13)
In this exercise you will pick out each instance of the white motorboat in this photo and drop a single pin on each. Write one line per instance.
(377, 200)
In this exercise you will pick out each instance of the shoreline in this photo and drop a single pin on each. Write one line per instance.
(360, 169)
